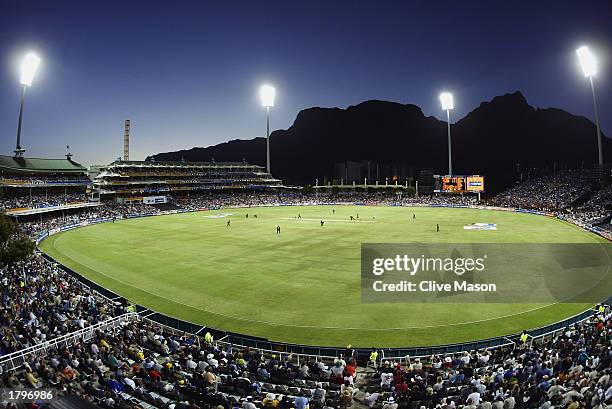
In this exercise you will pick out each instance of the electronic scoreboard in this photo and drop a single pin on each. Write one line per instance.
(458, 184)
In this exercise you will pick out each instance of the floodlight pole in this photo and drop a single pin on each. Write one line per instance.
(450, 153)
(268, 139)
(599, 142)
(18, 149)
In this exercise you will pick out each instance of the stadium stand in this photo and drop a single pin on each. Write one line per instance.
(32, 185)
(547, 193)
(561, 194)
(141, 364)
(569, 370)
(596, 211)
(40, 303)
(128, 181)
(100, 350)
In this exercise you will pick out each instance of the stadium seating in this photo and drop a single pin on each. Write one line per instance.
(141, 364)
(550, 192)
(32, 183)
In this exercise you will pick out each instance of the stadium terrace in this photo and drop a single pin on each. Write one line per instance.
(127, 180)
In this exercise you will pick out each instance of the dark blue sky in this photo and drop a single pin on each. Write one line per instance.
(188, 73)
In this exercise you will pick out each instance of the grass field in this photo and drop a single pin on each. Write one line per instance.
(303, 285)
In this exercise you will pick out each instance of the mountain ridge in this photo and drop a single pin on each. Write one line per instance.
(498, 139)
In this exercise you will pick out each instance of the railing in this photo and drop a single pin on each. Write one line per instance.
(535, 335)
(170, 329)
(15, 359)
(227, 344)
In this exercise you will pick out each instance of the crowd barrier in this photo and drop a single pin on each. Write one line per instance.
(263, 344)
(16, 359)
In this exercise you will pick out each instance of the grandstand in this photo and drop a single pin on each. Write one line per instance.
(568, 194)
(62, 331)
(555, 191)
(32, 186)
(133, 181)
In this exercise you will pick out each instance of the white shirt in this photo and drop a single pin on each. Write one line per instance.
(337, 370)
(129, 382)
(385, 379)
(248, 405)
(475, 397)
(484, 358)
(202, 365)
(372, 398)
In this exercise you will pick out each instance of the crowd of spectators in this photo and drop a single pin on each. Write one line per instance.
(43, 180)
(217, 200)
(39, 301)
(596, 209)
(39, 200)
(42, 190)
(142, 364)
(571, 370)
(552, 193)
(570, 195)
(34, 225)
(546, 193)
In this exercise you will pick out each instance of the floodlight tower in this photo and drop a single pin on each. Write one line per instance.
(267, 94)
(589, 68)
(446, 99)
(28, 69)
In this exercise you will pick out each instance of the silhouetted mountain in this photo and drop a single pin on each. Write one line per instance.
(251, 150)
(498, 139)
(507, 134)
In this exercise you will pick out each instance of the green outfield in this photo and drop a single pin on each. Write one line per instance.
(302, 285)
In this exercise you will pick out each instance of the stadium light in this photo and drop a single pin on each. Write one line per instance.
(589, 68)
(28, 70)
(267, 94)
(587, 61)
(446, 99)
